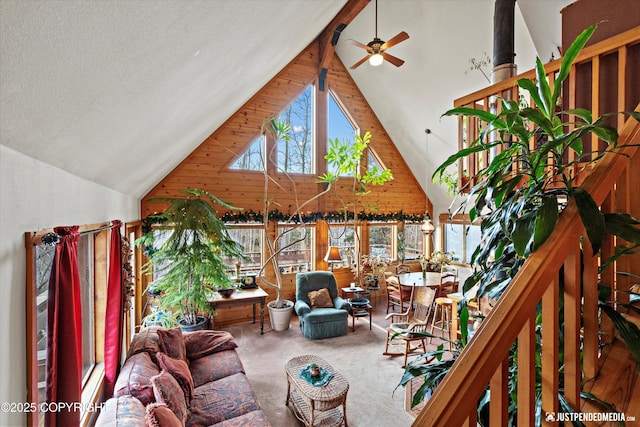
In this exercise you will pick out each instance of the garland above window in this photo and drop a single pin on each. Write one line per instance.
(276, 215)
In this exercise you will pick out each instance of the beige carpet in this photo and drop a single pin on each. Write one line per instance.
(371, 401)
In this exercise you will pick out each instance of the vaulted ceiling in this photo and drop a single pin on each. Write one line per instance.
(119, 92)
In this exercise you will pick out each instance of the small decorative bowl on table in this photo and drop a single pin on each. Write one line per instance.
(359, 302)
(226, 292)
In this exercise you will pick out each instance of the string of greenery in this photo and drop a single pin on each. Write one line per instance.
(251, 216)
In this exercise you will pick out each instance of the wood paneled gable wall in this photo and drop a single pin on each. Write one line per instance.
(207, 167)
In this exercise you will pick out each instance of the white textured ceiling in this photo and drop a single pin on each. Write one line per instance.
(120, 91)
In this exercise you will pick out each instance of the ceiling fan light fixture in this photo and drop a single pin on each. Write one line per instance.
(376, 60)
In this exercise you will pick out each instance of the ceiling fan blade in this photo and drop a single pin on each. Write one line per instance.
(400, 37)
(359, 63)
(394, 60)
(357, 43)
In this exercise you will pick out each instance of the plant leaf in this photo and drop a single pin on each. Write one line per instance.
(592, 218)
(522, 234)
(628, 331)
(568, 58)
(546, 219)
(544, 90)
(624, 226)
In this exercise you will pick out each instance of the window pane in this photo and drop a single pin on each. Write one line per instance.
(44, 260)
(380, 241)
(339, 127)
(295, 155)
(85, 267)
(413, 241)
(372, 162)
(453, 235)
(342, 237)
(251, 159)
(297, 256)
(473, 239)
(250, 238)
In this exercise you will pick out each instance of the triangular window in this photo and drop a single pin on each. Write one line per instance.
(295, 152)
(339, 126)
(252, 158)
(372, 161)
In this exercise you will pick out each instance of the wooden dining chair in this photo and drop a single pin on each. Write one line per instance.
(448, 284)
(402, 268)
(407, 327)
(398, 295)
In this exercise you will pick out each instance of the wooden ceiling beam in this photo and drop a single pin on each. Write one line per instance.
(328, 39)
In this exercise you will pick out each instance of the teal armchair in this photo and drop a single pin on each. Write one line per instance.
(320, 322)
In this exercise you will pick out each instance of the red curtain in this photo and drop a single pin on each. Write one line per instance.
(114, 316)
(64, 331)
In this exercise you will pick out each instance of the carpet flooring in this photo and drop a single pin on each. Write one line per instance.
(373, 377)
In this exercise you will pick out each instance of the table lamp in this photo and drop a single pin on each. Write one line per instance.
(333, 256)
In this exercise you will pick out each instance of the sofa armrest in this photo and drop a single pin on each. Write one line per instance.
(301, 308)
(341, 304)
(203, 343)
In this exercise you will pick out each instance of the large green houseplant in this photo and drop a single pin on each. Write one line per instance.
(519, 195)
(189, 263)
(345, 159)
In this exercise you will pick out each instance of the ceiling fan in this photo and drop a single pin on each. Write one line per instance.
(376, 49)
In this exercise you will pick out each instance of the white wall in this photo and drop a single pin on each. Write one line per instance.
(33, 196)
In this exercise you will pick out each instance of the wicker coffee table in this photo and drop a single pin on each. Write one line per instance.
(316, 405)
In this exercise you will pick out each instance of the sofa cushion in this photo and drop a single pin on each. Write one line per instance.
(180, 371)
(171, 343)
(320, 298)
(215, 366)
(250, 419)
(167, 390)
(147, 341)
(124, 411)
(220, 400)
(159, 415)
(203, 343)
(135, 378)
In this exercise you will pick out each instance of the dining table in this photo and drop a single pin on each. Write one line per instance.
(415, 278)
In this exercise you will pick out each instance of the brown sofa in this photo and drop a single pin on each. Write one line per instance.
(173, 379)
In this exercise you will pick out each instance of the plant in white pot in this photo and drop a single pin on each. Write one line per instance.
(280, 309)
(189, 263)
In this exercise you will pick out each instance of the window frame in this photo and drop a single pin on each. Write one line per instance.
(465, 221)
(98, 237)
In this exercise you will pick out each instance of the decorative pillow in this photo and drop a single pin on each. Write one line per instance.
(159, 415)
(167, 390)
(203, 343)
(146, 341)
(320, 298)
(134, 378)
(172, 343)
(180, 371)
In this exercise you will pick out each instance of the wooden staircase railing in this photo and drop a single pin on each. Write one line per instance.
(614, 184)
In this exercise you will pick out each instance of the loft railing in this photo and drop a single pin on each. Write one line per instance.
(614, 184)
(604, 78)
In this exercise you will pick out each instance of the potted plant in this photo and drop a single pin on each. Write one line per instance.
(189, 263)
(281, 309)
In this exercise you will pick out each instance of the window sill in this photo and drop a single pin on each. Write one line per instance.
(91, 394)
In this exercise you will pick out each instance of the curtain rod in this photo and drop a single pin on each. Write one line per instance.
(48, 236)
